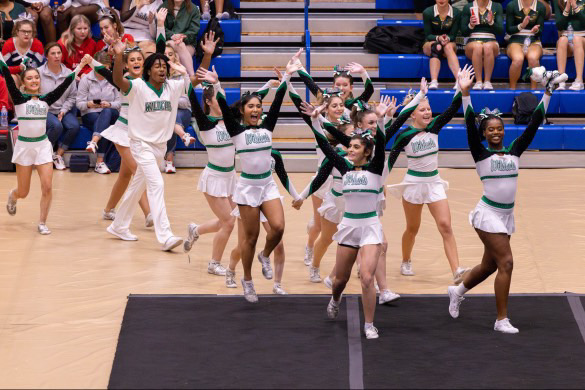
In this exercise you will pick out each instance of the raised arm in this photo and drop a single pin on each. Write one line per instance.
(56, 94)
(309, 82)
(118, 74)
(103, 71)
(406, 112)
(437, 124)
(356, 68)
(15, 94)
(520, 144)
(280, 171)
(270, 122)
(377, 164)
(297, 101)
(478, 151)
(342, 165)
(340, 136)
(203, 121)
(323, 174)
(161, 36)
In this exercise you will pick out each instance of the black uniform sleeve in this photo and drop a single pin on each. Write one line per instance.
(310, 83)
(203, 121)
(401, 141)
(478, 151)
(15, 94)
(440, 121)
(106, 74)
(296, 99)
(365, 96)
(270, 121)
(377, 164)
(338, 162)
(520, 144)
(340, 136)
(231, 124)
(56, 94)
(280, 171)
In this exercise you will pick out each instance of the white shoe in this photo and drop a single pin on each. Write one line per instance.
(387, 296)
(406, 268)
(576, 86)
(371, 332)
(192, 237)
(230, 279)
(434, 84)
(460, 274)
(170, 167)
(11, 204)
(109, 215)
(58, 162)
(188, 140)
(266, 268)
(562, 86)
(278, 290)
(505, 326)
(478, 85)
(308, 256)
(92, 147)
(454, 301)
(223, 16)
(172, 243)
(488, 85)
(102, 168)
(149, 221)
(43, 229)
(249, 292)
(333, 308)
(206, 16)
(215, 268)
(314, 276)
(126, 236)
(328, 283)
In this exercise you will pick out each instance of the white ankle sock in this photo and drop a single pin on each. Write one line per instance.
(368, 325)
(461, 289)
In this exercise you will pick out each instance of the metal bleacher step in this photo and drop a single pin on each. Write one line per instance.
(289, 27)
(259, 61)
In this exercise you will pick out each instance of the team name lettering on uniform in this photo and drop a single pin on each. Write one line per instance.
(502, 165)
(420, 146)
(257, 139)
(158, 105)
(34, 109)
(222, 136)
(353, 180)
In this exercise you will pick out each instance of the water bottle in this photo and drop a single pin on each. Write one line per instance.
(55, 6)
(526, 45)
(570, 34)
(4, 118)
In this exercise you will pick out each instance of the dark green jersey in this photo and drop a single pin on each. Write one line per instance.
(435, 26)
(515, 14)
(483, 27)
(576, 18)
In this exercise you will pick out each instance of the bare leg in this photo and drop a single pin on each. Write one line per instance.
(452, 60)
(251, 228)
(315, 229)
(562, 53)
(370, 255)
(236, 255)
(23, 178)
(474, 51)
(412, 212)
(223, 225)
(325, 239)
(185, 53)
(274, 213)
(45, 173)
(490, 52)
(381, 267)
(279, 257)
(442, 215)
(516, 55)
(343, 265)
(533, 56)
(579, 54)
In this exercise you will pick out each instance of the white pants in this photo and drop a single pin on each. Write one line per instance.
(148, 159)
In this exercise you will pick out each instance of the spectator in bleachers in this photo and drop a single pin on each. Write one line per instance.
(137, 21)
(547, 7)
(73, 8)
(481, 21)
(183, 115)
(99, 103)
(110, 25)
(62, 120)
(524, 24)
(441, 23)
(43, 13)
(77, 42)
(181, 28)
(23, 46)
(5, 100)
(9, 12)
(570, 21)
(219, 12)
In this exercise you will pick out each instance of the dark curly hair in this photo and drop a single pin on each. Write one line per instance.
(149, 63)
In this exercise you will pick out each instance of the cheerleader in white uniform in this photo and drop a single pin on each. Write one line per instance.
(255, 189)
(422, 183)
(32, 148)
(493, 217)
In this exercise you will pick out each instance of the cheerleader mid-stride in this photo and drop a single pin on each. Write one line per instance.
(493, 217)
(32, 148)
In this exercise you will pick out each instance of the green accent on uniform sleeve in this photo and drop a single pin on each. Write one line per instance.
(469, 111)
(219, 94)
(160, 37)
(293, 95)
(430, 126)
(368, 81)
(281, 86)
(129, 89)
(407, 133)
(541, 108)
(302, 72)
(263, 92)
(3, 65)
(98, 68)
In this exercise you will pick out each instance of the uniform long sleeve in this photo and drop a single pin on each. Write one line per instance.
(203, 121)
(270, 121)
(232, 126)
(473, 139)
(321, 177)
(15, 94)
(280, 171)
(310, 83)
(338, 162)
(439, 122)
(403, 116)
(522, 143)
(56, 94)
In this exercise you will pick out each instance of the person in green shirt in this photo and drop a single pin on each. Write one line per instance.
(524, 24)
(570, 21)
(182, 26)
(481, 21)
(441, 23)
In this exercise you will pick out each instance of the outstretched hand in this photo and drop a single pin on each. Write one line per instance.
(392, 107)
(297, 203)
(206, 75)
(293, 67)
(465, 77)
(178, 68)
(161, 16)
(310, 110)
(296, 58)
(209, 42)
(424, 87)
(382, 107)
(355, 68)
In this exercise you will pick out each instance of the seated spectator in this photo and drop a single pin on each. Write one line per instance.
(441, 23)
(136, 21)
(23, 46)
(5, 100)
(41, 10)
(547, 7)
(181, 28)
(9, 12)
(569, 20)
(524, 24)
(99, 103)
(183, 115)
(481, 21)
(62, 122)
(77, 42)
(110, 25)
(72, 8)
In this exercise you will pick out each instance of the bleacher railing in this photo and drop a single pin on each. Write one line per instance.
(307, 45)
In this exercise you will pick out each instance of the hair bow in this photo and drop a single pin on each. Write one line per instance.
(364, 134)
(129, 50)
(206, 85)
(105, 13)
(330, 92)
(361, 105)
(25, 16)
(337, 70)
(255, 94)
(486, 113)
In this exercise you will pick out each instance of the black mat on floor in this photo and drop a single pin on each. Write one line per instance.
(421, 346)
(221, 342)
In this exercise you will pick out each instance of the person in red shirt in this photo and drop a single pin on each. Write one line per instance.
(5, 98)
(111, 26)
(23, 46)
(76, 42)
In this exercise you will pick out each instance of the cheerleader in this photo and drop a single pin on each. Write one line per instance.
(255, 189)
(493, 217)
(422, 183)
(360, 229)
(32, 148)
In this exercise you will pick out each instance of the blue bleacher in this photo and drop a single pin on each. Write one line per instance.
(232, 30)
(549, 36)
(415, 66)
(408, 5)
(226, 65)
(548, 137)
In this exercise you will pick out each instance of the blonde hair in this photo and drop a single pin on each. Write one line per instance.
(103, 57)
(68, 38)
(409, 98)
